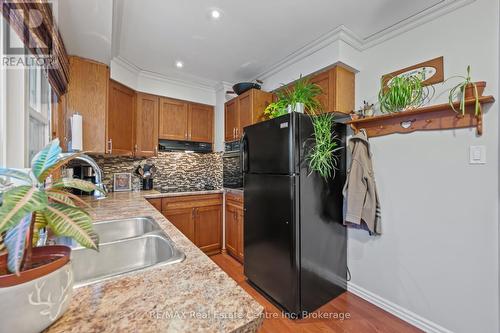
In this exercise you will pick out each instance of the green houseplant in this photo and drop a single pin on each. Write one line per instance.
(303, 96)
(403, 92)
(37, 281)
(466, 90)
(321, 157)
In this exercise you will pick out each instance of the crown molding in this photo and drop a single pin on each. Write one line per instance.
(186, 80)
(344, 34)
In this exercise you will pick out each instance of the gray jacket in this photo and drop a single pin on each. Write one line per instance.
(361, 201)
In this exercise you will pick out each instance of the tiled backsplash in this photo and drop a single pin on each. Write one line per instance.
(184, 171)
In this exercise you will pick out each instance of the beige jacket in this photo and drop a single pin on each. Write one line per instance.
(361, 201)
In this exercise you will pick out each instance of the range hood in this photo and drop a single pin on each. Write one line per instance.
(185, 146)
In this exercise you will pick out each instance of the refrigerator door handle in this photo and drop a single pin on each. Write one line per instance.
(244, 153)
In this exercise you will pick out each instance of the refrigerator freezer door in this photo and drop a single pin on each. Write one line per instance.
(268, 147)
(270, 250)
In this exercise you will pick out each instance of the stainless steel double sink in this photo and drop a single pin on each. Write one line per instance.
(126, 245)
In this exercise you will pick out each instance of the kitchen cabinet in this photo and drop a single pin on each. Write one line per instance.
(146, 125)
(87, 95)
(185, 121)
(173, 119)
(121, 120)
(200, 125)
(244, 110)
(235, 225)
(198, 217)
(337, 84)
(230, 120)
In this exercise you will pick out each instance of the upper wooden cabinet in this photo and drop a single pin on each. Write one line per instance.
(87, 95)
(146, 125)
(121, 120)
(200, 125)
(185, 121)
(173, 119)
(244, 110)
(230, 119)
(337, 84)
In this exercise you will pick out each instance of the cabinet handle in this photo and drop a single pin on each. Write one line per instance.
(110, 146)
(186, 135)
(156, 150)
(135, 147)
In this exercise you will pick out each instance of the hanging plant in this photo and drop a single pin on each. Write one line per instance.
(322, 157)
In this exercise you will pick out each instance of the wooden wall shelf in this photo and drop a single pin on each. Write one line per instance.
(434, 117)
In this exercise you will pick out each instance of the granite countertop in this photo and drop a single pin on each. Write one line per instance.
(192, 296)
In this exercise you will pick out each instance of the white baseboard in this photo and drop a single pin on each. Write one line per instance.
(398, 311)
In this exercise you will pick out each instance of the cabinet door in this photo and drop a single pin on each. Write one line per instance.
(156, 202)
(88, 95)
(208, 236)
(173, 119)
(231, 230)
(323, 80)
(201, 122)
(245, 112)
(240, 221)
(121, 112)
(146, 125)
(231, 120)
(182, 219)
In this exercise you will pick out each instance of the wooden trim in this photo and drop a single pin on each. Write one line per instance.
(434, 117)
(436, 63)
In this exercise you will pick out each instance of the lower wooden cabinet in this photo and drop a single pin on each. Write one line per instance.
(198, 217)
(234, 225)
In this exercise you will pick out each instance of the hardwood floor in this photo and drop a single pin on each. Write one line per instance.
(364, 317)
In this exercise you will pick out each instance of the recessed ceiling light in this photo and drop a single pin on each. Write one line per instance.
(215, 14)
(179, 64)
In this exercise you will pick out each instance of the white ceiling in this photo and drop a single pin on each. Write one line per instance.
(250, 36)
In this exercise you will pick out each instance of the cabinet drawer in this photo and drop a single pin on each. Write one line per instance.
(191, 201)
(236, 197)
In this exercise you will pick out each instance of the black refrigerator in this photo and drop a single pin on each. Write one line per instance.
(294, 239)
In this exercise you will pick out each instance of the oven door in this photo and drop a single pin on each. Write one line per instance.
(232, 172)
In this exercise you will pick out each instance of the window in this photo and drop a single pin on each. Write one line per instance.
(3, 114)
(39, 104)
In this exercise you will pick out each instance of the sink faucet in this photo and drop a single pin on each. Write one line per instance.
(101, 194)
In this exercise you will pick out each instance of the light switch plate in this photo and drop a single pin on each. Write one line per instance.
(477, 155)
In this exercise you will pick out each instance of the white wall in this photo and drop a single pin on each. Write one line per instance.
(437, 260)
(3, 104)
(220, 99)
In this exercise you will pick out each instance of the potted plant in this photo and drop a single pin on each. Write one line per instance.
(304, 96)
(403, 92)
(466, 90)
(36, 282)
(278, 108)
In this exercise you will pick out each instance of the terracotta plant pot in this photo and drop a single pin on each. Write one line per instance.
(469, 90)
(46, 259)
(40, 296)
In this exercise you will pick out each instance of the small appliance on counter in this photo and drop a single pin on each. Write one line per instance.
(294, 239)
(231, 162)
(186, 146)
(147, 173)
